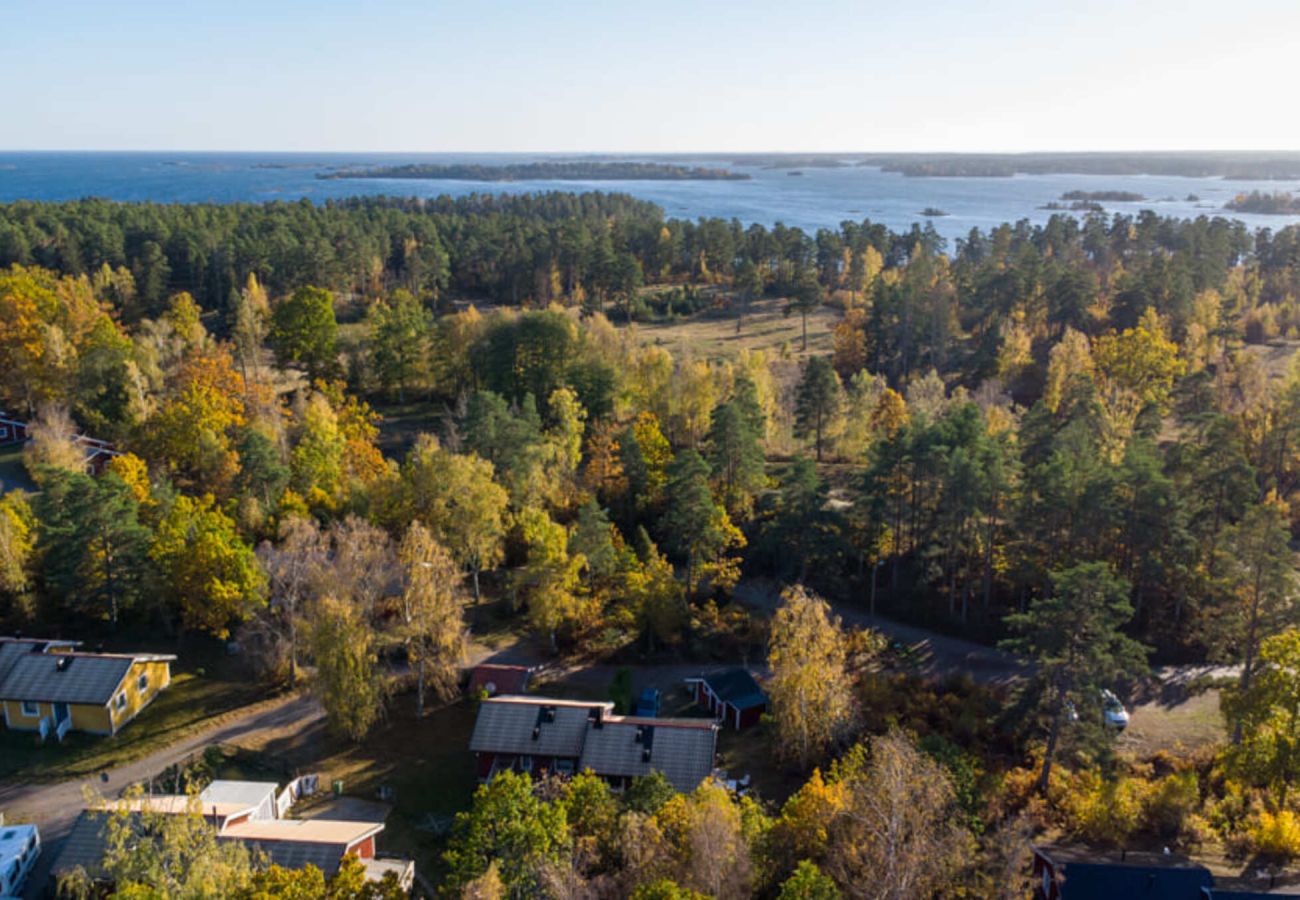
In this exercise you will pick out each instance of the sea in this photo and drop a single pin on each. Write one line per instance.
(809, 198)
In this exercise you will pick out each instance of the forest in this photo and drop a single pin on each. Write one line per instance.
(1072, 440)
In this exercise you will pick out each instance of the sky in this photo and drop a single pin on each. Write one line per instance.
(667, 76)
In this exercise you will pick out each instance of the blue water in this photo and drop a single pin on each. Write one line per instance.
(818, 198)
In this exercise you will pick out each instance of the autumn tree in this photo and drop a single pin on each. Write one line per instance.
(52, 443)
(347, 679)
(547, 581)
(1074, 637)
(432, 626)
(1266, 715)
(17, 546)
(817, 406)
(898, 836)
(810, 689)
(212, 576)
(457, 497)
(294, 569)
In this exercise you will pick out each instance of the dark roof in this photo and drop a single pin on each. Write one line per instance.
(1217, 894)
(630, 747)
(497, 679)
(1104, 881)
(737, 687)
(535, 726)
(70, 677)
(296, 855)
(84, 846)
(12, 649)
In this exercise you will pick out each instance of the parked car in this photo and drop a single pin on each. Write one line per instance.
(19, 847)
(1116, 716)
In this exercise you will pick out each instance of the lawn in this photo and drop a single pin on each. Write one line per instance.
(425, 763)
(205, 686)
(713, 335)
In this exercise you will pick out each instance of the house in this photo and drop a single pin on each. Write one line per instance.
(1065, 873)
(52, 688)
(239, 812)
(732, 695)
(12, 431)
(19, 847)
(541, 734)
(98, 453)
(493, 679)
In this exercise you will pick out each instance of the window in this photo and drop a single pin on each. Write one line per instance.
(120, 701)
(142, 683)
(31, 709)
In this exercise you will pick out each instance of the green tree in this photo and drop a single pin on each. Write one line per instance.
(748, 285)
(1074, 637)
(695, 526)
(509, 825)
(548, 579)
(733, 450)
(806, 295)
(304, 331)
(93, 548)
(817, 403)
(400, 333)
(808, 882)
(1258, 588)
(347, 678)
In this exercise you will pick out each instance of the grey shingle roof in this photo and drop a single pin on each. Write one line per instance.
(65, 678)
(14, 649)
(507, 725)
(683, 753)
(294, 855)
(84, 846)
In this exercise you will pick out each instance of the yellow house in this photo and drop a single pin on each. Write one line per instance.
(53, 689)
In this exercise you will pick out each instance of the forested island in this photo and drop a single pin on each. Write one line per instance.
(1277, 203)
(1104, 196)
(1228, 165)
(544, 171)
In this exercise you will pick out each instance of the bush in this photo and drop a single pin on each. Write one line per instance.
(1171, 801)
(1101, 810)
(1276, 834)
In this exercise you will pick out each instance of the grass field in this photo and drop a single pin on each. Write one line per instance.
(766, 327)
(205, 686)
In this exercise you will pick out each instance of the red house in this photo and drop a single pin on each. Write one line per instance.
(732, 695)
(495, 679)
(12, 431)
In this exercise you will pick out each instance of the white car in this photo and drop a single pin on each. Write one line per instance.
(1113, 710)
(19, 847)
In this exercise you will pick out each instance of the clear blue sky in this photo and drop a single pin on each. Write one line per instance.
(482, 75)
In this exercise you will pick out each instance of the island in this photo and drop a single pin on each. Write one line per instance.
(1074, 206)
(542, 171)
(933, 212)
(1103, 196)
(1278, 203)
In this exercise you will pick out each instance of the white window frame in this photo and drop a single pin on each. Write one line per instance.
(31, 709)
(119, 702)
(142, 683)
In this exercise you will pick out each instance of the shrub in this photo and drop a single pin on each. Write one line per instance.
(1103, 811)
(1276, 834)
(1170, 802)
